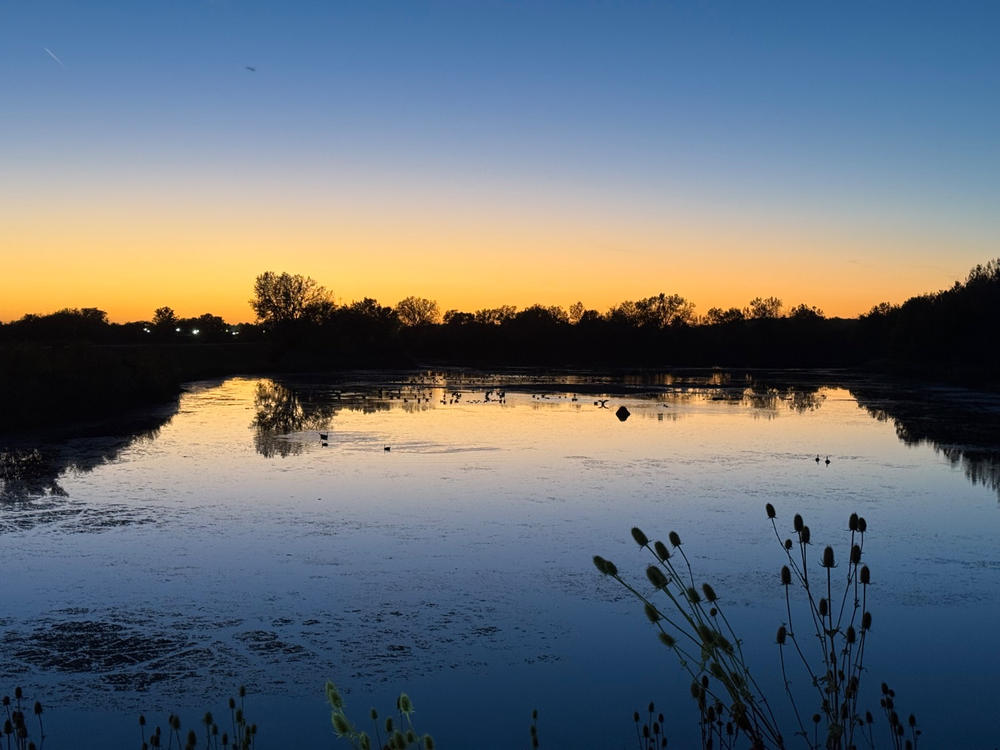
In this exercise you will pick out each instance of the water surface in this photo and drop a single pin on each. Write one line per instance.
(228, 543)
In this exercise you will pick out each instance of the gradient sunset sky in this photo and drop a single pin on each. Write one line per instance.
(486, 153)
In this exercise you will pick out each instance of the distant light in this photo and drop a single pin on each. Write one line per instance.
(145, 330)
(194, 331)
(178, 330)
(236, 333)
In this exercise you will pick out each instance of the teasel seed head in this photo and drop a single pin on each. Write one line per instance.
(855, 554)
(823, 607)
(782, 635)
(661, 551)
(605, 566)
(333, 695)
(866, 621)
(804, 535)
(656, 577)
(797, 522)
(674, 538)
(865, 575)
(786, 576)
(404, 704)
(709, 592)
(641, 539)
(692, 595)
(862, 525)
(651, 614)
(851, 634)
(769, 509)
(788, 544)
(852, 522)
(668, 640)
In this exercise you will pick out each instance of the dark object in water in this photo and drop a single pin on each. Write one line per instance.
(324, 435)
(622, 413)
(387, 449)
(827, 462)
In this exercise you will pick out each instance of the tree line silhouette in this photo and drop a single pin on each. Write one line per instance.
(296, 314)
(78, 356)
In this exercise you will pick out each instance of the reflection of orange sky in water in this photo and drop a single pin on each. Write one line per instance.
(708, 420)
(128, 260)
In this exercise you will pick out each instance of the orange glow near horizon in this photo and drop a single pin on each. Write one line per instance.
(135, 268)
(131, 255)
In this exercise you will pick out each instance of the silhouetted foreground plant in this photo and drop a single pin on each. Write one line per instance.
(398, 736)
(732, 706)
(651, 736)
(240, 735)
(15, 725)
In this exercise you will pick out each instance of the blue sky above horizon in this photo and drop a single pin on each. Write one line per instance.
(478, 153)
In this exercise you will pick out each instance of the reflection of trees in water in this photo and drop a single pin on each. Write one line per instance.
(764, 394)
(281, 410)
(31, 472)
(28, 473)
(768, 398)
(964, 434)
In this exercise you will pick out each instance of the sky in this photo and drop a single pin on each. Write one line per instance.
(487, 153)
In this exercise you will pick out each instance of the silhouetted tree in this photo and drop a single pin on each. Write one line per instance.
(495, 315)
(371, 309)
(664, 310)
(542, 315)
(625, 314)
(458, 318)
(415, 311)
(718, 316)
(806, 312)
(763, 307)
(164, 317)
(205, 327)
(284, 298)
(576, 311)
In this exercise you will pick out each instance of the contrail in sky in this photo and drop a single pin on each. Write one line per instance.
(53, 56)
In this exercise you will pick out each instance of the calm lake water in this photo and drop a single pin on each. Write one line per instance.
(223, 542)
